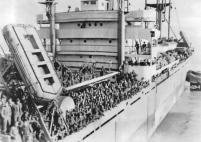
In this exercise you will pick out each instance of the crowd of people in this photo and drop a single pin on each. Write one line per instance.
(70, 77)
(158, 78)
(161, 60)
(19, 120)
(143, 48)
(16, 119)
(135, 62)
(170, 56)
(92, 102)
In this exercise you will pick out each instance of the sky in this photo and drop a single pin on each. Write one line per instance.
(186, 16)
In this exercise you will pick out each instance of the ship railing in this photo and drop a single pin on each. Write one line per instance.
(167, 66)
(90, 82)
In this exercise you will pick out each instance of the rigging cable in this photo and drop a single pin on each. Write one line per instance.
(171, 28)
(2, 50)
(178, 19)
(178, 22)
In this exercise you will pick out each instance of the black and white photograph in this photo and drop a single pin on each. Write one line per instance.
(100, 71)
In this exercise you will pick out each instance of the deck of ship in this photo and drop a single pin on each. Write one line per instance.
(183, 122)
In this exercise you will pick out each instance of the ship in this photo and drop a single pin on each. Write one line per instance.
(108, 35)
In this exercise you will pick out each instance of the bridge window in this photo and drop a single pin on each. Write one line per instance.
(83, 25)
(78, 24)
(85, 2)
(93, 2)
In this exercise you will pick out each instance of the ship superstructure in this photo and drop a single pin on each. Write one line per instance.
(128, 44)
(99, 33)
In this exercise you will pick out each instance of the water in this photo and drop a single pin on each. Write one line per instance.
(196, 62)
(183, 122)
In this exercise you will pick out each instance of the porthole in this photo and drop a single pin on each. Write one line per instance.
(110, 41)
(95, 24)
(85, 41)
(101, 24)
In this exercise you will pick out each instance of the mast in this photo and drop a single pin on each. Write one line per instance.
(169, 19)
(121, 33)
(160, 6)
(50, 13)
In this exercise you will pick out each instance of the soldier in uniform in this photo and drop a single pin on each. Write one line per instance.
(6, 116)
(14, 133)
(18, 110)
(27, 130)
(12, 106)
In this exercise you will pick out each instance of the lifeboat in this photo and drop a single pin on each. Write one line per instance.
(32, 61)
(193, 77)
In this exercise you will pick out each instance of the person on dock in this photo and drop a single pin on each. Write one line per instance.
(5, 115)
(27, 131)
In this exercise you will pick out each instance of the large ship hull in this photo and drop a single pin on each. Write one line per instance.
(136, 119)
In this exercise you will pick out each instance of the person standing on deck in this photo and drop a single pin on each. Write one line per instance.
(18, 110)
(137, 47)
(12, 106)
